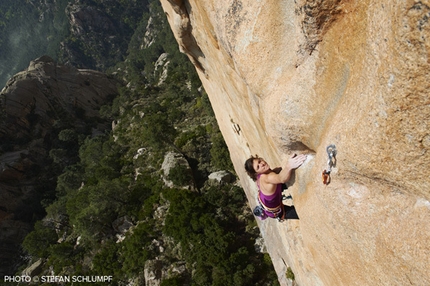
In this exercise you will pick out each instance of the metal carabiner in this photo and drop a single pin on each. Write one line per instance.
(331, 153)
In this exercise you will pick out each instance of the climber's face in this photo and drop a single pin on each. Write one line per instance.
(260, 166)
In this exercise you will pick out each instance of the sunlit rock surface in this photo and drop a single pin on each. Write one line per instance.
(297, 76)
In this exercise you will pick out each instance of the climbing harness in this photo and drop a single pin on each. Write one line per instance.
(275, 211)
(278, 212)
(331, 153)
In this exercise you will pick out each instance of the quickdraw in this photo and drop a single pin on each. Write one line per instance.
(331, 153)
(326, 177)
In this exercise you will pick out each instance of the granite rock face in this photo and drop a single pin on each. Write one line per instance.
(296, 76)
(31, 104)
(33, 99)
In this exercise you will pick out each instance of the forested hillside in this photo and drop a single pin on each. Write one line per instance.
(110, 211)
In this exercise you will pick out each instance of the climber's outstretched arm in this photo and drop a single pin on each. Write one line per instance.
(284, 175)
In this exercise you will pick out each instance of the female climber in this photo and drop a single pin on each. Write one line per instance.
(270, 183)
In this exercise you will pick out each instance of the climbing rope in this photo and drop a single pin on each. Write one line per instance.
(331, 153)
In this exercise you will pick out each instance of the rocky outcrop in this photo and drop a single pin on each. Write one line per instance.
(33, 99)
(161, 67)
(176, 171)
(34, 269)
(221, 177)
(34, 103)
(296, 76)
(122, 225)
(155, 272)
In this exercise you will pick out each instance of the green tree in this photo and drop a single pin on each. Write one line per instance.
(108, 260)
(70, 180)
(136, 250)
(174, 281)
(61, 255)
(220, 154)
(38, 241)
(67, 135)
(93, 208)
(180, 175)
(158, 131)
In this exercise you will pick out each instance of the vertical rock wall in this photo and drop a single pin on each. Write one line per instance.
(296, 76)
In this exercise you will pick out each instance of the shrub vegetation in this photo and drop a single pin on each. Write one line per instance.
(105, 177)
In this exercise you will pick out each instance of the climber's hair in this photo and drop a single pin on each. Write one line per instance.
(249, 167)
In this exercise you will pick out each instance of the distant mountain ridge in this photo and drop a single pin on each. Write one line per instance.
(83, 33)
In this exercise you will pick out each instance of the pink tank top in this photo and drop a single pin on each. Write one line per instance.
(271, 201)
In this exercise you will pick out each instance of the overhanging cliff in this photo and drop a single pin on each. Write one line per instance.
(297, 76)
